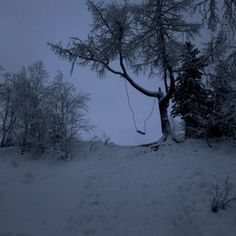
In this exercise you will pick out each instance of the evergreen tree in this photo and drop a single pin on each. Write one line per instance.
(223, 117)
(191, 98)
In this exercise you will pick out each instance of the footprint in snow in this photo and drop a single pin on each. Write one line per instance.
(89, 231)
(89, 182)
(45, 178)
(94, 203)
(27, 179)
(14, 164)
(44, 223)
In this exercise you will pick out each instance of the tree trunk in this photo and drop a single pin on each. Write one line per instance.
(165, 123)
(3, 141)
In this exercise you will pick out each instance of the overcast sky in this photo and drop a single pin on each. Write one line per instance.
(26, 26)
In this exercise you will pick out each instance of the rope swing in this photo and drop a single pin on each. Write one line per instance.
(133, 114)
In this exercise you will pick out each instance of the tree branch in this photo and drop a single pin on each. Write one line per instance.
(101, 16)
(126, 75)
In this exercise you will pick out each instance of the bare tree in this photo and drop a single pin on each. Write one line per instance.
(36, 116)
(30, 86)
(67, 109)
(8, 109)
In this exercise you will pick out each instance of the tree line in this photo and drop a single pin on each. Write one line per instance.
(36, 114)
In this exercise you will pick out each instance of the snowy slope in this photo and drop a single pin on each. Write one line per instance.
(117, 191)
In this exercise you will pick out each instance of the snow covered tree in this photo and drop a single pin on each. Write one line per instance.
(8, 109)
(30, 86)
(219, 18)
(37, 116)
(191, 99)
(67, 108)
(223, 117)
(137, 36)
(217, 14)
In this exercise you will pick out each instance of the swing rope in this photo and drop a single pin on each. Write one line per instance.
(149, 116)
(133, 114)
(130, 107)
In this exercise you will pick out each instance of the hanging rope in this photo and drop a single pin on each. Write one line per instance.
(130, 107)
(149, 116)
(133, 114)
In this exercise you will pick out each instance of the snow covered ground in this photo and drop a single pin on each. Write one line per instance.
(117, 191)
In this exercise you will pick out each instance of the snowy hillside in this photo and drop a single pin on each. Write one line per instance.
(117, 191)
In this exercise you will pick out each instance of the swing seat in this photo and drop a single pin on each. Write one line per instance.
(140, 132)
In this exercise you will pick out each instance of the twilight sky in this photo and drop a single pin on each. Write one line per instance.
(26, 26)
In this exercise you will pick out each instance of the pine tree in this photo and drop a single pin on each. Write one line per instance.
(223, 117)
(191, 98)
